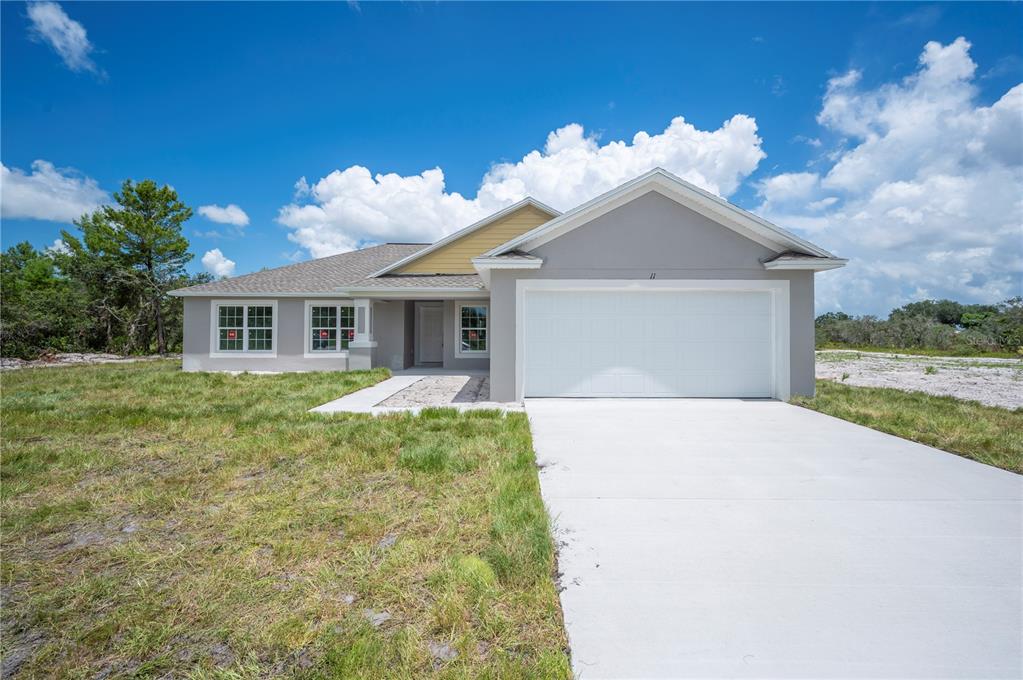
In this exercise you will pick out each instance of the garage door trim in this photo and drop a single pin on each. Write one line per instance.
(779, 290)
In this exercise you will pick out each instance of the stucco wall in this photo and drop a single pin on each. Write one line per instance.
(450, 360)
(389, 333)
(290, 331)
(410, 338)
(651, 236)
(392, 329)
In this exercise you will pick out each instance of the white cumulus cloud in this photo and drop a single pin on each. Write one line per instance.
(230, 214)
(351, 207)
(48, 193)
(924, 190)
(67, 37)
(215, 263)
(58, 247)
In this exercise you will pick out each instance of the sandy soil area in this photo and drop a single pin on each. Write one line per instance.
(77, 358)
(995, 382)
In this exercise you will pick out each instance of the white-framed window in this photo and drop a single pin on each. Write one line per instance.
(243, 328)
(329, 327)
(472, 322)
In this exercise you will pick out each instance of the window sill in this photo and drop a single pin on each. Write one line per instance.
(242, 354)
(327, 354)
(472, 355)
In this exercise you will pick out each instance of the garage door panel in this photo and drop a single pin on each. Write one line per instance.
(659, 344)
(660, 354)
(664, 384)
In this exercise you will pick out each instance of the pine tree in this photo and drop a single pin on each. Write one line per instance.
(140, 244)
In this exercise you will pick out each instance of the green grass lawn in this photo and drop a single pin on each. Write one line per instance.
(922, 351)
(202, 525)
(984, 433)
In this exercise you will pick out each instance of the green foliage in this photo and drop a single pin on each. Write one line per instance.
(41, 307)
(930, 325)
(106, 290)
(947, 312)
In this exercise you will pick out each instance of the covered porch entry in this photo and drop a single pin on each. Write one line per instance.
(450, 335)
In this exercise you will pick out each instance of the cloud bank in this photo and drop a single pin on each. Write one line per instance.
(48, 193)
(352, 207)
(923, 190)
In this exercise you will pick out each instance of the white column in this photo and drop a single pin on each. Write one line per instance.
(363, 324)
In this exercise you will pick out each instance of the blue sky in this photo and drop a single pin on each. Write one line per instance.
(842, 119)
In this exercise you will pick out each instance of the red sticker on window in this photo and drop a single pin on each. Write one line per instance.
(472, 335)
(324, 334)
(231, 335)
(351, 334)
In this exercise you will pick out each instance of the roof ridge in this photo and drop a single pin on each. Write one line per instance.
(317, 259)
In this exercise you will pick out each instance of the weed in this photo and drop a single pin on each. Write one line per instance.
(161, 523)
(984, 433)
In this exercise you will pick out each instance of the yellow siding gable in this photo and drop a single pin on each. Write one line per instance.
(455, 257)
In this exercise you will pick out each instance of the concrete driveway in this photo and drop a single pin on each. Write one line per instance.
(729, 538)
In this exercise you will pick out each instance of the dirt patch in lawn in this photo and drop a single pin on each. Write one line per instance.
(994, 382)
(76, 359)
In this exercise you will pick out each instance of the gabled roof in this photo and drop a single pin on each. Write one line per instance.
(461, 233)
(660, 180)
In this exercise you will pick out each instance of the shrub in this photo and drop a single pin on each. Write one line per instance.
(930, 324)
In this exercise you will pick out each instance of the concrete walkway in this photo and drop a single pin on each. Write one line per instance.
(728, 538)
(367, 398)
(412, 390)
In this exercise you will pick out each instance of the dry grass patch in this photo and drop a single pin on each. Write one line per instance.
(157, 522)
(986, 434)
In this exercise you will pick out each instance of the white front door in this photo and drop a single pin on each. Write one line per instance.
(431, 334)
(648, 343)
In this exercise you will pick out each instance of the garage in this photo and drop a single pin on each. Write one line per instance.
(654, 339)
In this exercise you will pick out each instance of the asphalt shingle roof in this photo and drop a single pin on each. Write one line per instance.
(327, 274)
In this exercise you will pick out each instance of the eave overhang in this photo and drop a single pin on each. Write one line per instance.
(484, 265)
(818, 265)
(411, 293)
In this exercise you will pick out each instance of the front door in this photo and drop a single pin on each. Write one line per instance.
(431, 335)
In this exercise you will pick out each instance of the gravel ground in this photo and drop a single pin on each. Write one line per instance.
(995, 382)
(445, 390)
(75, 359)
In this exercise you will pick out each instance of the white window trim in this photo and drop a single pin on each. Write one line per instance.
(779, 290)
(469, 354)
(307, 334)
(244, 352)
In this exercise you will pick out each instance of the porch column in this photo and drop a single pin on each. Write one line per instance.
(360, 349)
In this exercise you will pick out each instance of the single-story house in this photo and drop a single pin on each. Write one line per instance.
(654, 289)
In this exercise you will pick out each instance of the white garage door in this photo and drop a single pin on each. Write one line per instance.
(648, 344)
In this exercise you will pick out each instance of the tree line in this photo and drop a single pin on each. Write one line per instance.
(930, 324)
(104, 288)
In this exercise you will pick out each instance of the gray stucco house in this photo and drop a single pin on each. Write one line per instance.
(654, 289)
